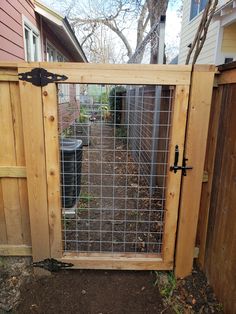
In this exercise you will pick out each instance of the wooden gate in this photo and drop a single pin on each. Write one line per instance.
(39, 107)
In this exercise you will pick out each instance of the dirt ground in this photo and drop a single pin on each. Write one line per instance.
(118, 292)
(92, 292)
(116, 211)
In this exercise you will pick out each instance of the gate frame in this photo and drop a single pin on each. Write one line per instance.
(42, 158)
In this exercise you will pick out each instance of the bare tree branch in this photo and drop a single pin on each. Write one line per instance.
(202, 30)
(112, 25)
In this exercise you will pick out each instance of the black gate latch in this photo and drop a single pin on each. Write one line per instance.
(184, 167)
(41, 77)
(52, 264)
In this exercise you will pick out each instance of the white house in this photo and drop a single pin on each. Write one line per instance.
(220, 44)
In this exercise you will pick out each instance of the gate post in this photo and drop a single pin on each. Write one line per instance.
(34, 145)
(195, 148)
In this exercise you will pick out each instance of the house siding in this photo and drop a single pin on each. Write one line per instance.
(189, 28)
(11, 29)
(229, 42)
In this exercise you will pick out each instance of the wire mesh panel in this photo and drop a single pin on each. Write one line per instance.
(114, 152)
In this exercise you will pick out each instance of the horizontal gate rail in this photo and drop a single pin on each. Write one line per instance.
(117, 74)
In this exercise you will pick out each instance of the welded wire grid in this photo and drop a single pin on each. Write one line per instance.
(114, 153)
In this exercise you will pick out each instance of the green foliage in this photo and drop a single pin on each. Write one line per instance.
(115, 102)
(167, 290)
(104, 99)
(86, 197)
(166, 283)
(83, 116)
(67, 132)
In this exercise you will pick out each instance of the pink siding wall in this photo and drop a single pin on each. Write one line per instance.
(11, 30)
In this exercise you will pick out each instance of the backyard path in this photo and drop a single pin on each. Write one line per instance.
(116, 212)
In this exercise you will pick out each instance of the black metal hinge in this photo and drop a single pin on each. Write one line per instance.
(52, 264)
(41, 77)
(184, 167)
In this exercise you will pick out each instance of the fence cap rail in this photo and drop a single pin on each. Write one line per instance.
(124, 74)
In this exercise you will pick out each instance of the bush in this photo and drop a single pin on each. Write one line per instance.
(104, 98)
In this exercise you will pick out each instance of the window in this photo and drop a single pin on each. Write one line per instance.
(31, 41)
(196, 7)
(53, 55)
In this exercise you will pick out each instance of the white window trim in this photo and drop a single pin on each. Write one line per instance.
(198, 12)
(63, 89)
(50, 45)
(33, 29)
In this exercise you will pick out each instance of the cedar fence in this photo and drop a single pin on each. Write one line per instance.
(216, 232)
(216, 235)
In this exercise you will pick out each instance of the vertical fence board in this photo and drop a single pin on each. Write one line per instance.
(174, 179)
(209, 167)
(20, 160)
(3, 230)
(32, 117)
(52, 168)
(10, 189)
(195, 147)
(220, 257)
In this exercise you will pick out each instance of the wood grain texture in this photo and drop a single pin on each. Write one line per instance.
(209, 168)
(8, 74)
(117, 74)
(10, 189)
(14, 217)
(116, 262)
(12, 172)
(15, 250)
(52, 151)
(195, 147)
(220, 258)
(33, 129)
(228, 77)
(177, 136)
(20, 160)
(3, 229)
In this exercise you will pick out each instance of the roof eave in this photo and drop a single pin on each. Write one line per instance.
(59, 20)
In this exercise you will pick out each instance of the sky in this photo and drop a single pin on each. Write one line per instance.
(172, 31)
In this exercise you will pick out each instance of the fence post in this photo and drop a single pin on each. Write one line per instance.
(195, 148)
(52, 168)
(34, 145)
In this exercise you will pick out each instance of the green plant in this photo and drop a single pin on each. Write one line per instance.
(104, 98)
(167, 290)
(166, 283)
(67, 132)
(83, 116)
(86, 197)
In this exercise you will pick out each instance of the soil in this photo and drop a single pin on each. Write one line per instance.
(92, 292)
(196, 294)
(118, 292)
